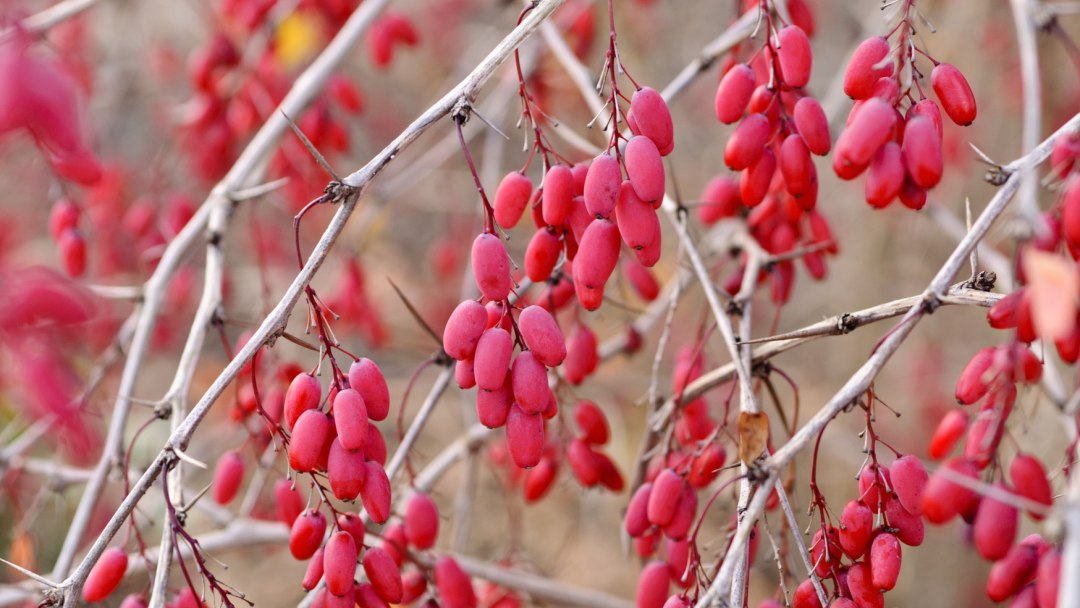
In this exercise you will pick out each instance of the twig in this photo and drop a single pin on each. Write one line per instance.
(456, 100)
(246, 168)
(862, 378)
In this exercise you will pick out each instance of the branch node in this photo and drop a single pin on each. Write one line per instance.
(983, 281)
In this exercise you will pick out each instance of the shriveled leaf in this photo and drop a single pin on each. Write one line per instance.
(1053, 285)
(753, 436)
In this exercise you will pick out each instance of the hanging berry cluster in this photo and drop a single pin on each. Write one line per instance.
(894, 130)
(780, 127)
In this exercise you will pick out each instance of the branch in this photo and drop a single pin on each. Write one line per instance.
(456, 101)
(858, 383)
(245, 170)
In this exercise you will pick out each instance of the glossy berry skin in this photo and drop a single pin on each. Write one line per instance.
(455, 588)
(869, 130)
(376, 492)
(922, 152)
(368, 380)
(885, 557)
(463, 329)
(491, 266)
(813, 125)
(421, 521)
(228, 475)
(309, 437)
(954, 93)
(351, 419)
(542, 335)
(558, 194)
(304, 394)
(339, 563)
(653, 584)
(856, 528)
(306, 534)
(862, 73)
(644, 168)
(511, 199)
(525, 437)
(106, 575)
(602, 183)
(908, 477)
(795, 56)
(653, 118)
(492, 358)
(734, 93)
(384, 574)
(747, 143)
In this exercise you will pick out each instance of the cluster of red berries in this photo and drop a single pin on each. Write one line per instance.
(903, 151)
(863, 559)
(780, 128)
(589, 209)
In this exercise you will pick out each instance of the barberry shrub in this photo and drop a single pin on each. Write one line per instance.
(286, 320)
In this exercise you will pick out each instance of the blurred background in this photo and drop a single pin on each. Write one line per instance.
(146, 119)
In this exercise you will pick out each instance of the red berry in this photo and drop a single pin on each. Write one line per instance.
(491, 266)
(756, 179)
(310, 436)
(653, 119)
(795, 55)
(995, 527)
(524, 437)
(228, 475)
(922, 152)
(106, 575)
(558, 194)
(870, 128)
(886, 176)
(1029, 479)
(598, 253)
(856, 528)
(885, 561)
(542, 335)
(350, 419)
(602, 183)
(943, 498)
(339, 564)
(304, 394)
(653, 584)
(376, 492)
(492, 358)
(644, 168)
(464, 328)
(734, 93)
(492, 407)
(346, 471)
(307, 534)
(542, 254)
(813, 125)
(747, 143)
(908, 477)
(421, 521)
(384, 574)
(637, 221)
(863, 69)
(511, 198)
(455, 588)
(368, 380)
(664, 497)
(954, 93)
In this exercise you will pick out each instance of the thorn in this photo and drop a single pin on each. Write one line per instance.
(188, 459)
(257, 191)
(319, 158)
(490, 124)
(195, 499)
(415, 313)
(32, 575)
